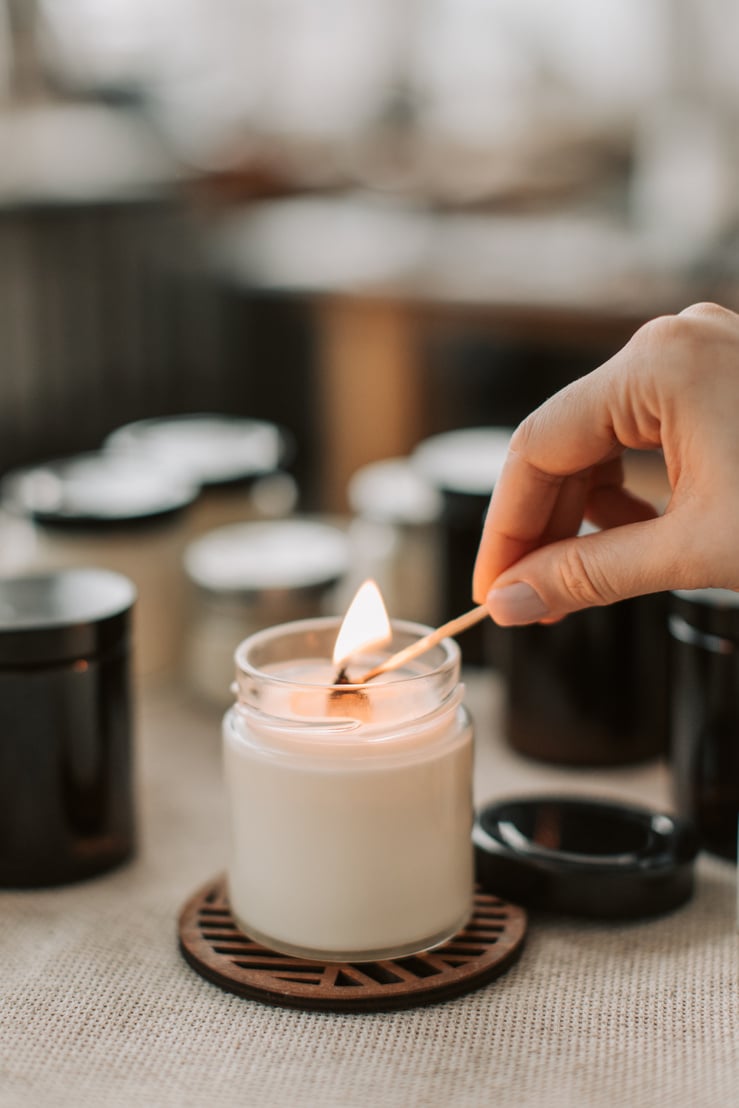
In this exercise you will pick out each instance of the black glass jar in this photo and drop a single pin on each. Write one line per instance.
(704, 732)
(66, 809)
(591, 690)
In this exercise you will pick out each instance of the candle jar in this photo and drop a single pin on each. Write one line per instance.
(704, 716)
(248, 576)
(18, 544)
(350, 807)
(98, 510)
(66, 803)
(395, 537)
(235, 463)
(591, 690)
(464, 466)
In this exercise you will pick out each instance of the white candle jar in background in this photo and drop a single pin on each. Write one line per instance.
(395, 537)
(350, 809)
(113, 513)
(236, 463)
(248, 576)
(463, 466)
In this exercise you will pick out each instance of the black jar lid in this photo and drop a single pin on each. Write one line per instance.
(584, 857)
(96, 491)
(56, 617)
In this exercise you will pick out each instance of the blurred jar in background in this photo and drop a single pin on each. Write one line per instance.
(236, 463)
(463, 466)
(248, 576)
(18, 544)
(395, 537)
(66, 783)
(112, 513)
(593, 689)
(704, 718)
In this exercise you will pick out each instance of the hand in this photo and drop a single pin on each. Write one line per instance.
(674, 386)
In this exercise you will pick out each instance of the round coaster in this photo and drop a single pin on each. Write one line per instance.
(212, 944)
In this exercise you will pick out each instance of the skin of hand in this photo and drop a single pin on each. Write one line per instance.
(674, 387)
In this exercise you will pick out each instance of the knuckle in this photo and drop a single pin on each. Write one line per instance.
(581, 580)
(532, 437)
(706, 310)
(685, 339)
(667, 330)
(690, 326)
(526, 443)
(525, 433)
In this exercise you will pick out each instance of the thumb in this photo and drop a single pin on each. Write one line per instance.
(590, 570)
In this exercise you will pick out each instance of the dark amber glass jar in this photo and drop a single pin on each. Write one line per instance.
(704, 739)
(593, 689)
(66, 809)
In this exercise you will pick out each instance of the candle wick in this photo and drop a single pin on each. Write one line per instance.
(347, 702)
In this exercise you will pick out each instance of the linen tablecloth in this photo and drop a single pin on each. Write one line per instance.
(99, 1010)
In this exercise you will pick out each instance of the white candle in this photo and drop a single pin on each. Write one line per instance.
(350, 811)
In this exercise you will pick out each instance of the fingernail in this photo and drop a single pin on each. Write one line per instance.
(517, 603)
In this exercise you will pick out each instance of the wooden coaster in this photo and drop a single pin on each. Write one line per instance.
(212, 944)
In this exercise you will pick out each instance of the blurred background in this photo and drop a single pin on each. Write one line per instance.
(364, 223)
(365, 220)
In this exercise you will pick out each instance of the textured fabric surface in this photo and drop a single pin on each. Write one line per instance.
(98, 1009)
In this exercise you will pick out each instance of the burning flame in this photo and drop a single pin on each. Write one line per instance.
(366, 624)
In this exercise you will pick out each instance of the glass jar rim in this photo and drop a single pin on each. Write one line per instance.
(450, 661)
(382, 709)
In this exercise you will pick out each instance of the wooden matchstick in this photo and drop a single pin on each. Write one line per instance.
(453, 627)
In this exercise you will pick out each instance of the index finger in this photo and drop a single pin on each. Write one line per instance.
(520, 508)
(567, 435)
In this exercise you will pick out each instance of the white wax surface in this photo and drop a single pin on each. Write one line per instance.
(354, 844)
(311, 694)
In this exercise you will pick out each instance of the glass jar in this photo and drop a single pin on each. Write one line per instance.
(395, 537)
(97, 510)
(464, 466)
(350, 806)
(234, 462)
(248, 576)
(66, 805)
(591, 690)
(704, 716)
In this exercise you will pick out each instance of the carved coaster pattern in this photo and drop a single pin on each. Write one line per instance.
(212, 944)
